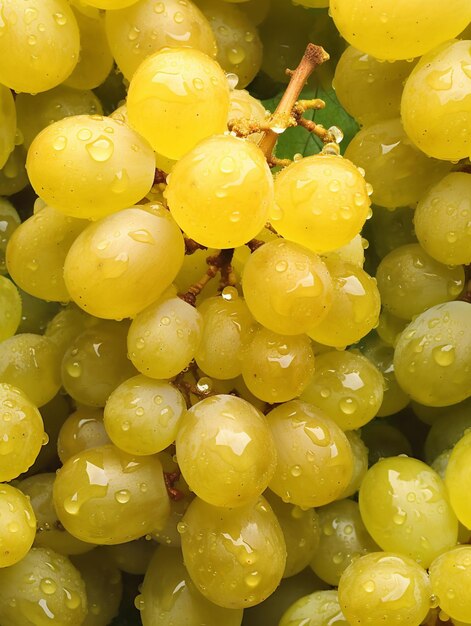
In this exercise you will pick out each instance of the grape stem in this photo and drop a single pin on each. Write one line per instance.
(217, 263)
(312, 58)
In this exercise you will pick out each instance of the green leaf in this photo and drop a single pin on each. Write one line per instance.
(299, 140)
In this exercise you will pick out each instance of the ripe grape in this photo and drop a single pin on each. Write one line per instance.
(390, 327)
(8, 124)
(458, 479)
(243, 106)
(352, 252)
(450, 579)
(9, 221)
(360, 463)
(69, 322)
(81, 430)
(317, 609)
(18, 525)
(449, 425)
(10, 308)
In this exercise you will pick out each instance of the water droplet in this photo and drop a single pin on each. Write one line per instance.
(101, 149)
(236, 55)
(159, 8)
(399, 518)
(30, 15)
(444, 355)
(71, 505)
(120, 181)
(48, 586)
(139, 602)
(440, 80)
(73, 369)
(348, 405)
(253, 580)
(32, 40)
(59, 143)
(232, 80)
(230, 293)
(369, 586)
(178, 17)
(296, 471)
(334, 186)
(281, 266)
(227, 165)
(122, 496)
(182, 527)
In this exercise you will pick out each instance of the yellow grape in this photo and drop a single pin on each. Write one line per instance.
(225, 451)
(220, 193)
(390, 327)
(320, 608)
(352, 252)
(8, 124)
(321, 202)
(9, 221)
(132, 557)
(69, 322)
(458, 479)
(113, 167)
(13, 176)
(450, 578)
(81, 430)
(176, 98)
(243, 106)
(121, 264)
(18, 526)
(10, 308)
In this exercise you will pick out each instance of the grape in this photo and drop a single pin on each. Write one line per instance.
(447, 429)
(18, 525)
(164, 338)
(8, 124)
(243, 106)
(442, 220)
(383, 441)
(450, 579)
(276, 368)
(315, 460)
(106, 496)
(458, 479)
(355, 307)
(121, 264)
(9, 221)
(384, 588)
(96, 362)
(41, 110)
(390, 327)
(391, 229)
(132, 557)
(360, 463)
(321, 202)
(347, 386)
(410, 281)
(13, 177)
(399, 172)
(112, 166)
(436, 103)
(81, 430)
(146, 27)
(193, 268)
(320, 608)
(225, 451)
(256, 10)
(287, 287)
(162, 606)
(235, 557)
(436, 349)
(369, 89)
(10, 308)
(44, 240)
(401, 31)
(405, 508)
(142, 415)
(39, 44)
(69, 322)
(221, 191)
(35, 313)
(41, 589)
(353, 252)
(50, 533)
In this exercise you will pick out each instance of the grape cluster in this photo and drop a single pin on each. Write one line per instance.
(235, 388)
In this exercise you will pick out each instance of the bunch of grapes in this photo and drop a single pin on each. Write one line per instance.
(235, 383)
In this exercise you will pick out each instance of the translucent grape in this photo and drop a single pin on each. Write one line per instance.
(235, 557)
(10, 308)
(399, 32)
(8, 124)
(320, 608)
(132, 557)
(143, 415)
(450, 576)
(83, 429)
(321, 202)
(390, 327)
(458, 479)
(9, 221)
(353, 252)
(69, 322)
(18, 525)
(225, 451)
(391, 229)
(112, 166)
(436, 349)
(450, 424)
(315, 460)
(13, 177)
(106, 496)
(176, 98)
(124, 262)
(360, 463)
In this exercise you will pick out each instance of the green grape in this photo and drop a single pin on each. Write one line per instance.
(239, 49)
(256, 10)
(450, 577)
(41, 110)
(96, 362)
(132, 557)
(13, 176)
(383, 441)
(390, 327)
(355, 307)
(347, 386)
(8, 124)
(384, 588)
(43, 240)
(39, 44)
(381, 355)
(391, 229)
(42, 589)
(442, 220)
(53, 415)
(399, 173)
(315, 460)
(145, 27)
(31, 362)
(225, 451)
(353, 252)
(458, 479)
(106, 496)
(436, 103)
(113, 166)
(235, 557)
(447, 429)
(343, 538)
(432, 359)
(300, 530)
(50, 533)
(9, 221)
(81, 430)
(322, 202)
(169, 596)
(164, 338)
(320, 608)
(368, 89)
(10, 308)
(121, 264)
(143, 415)
(287, 287)
(220, 192)
(69, 322)
(95, 60)
(103, 586)
(410, 281)
(18, 526)
(405, 508)
(193, 268)
(176, 98)
(360, 463)
(276, 368)
(401, 31)
(35, 313)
